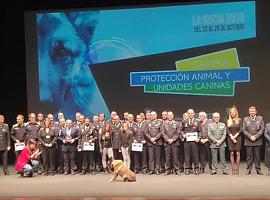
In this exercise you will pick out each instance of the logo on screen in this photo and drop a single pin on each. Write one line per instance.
(213, 74)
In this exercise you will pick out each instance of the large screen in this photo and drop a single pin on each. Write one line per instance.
(207, 56)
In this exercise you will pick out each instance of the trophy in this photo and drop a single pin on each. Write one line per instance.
(68, 138)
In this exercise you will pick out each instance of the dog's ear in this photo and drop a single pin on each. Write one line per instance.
(84, 23)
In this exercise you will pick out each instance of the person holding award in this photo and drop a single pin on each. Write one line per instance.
(69, 136)
(191, 131)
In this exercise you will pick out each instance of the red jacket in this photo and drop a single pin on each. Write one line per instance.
(23, 159)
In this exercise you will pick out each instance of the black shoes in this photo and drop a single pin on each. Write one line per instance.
(94, 172)
(83, 172)
(157, 172)
(196, 172)
(167, 172)
(225, 173)
(213, 173)
(187, 172)
(6, 173)
(259, 172)
(248, 172)
(150, 172)
(144, 171)
(201, 170)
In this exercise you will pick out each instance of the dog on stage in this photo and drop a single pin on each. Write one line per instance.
(119, 168)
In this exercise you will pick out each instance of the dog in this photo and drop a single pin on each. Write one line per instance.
(119, 168)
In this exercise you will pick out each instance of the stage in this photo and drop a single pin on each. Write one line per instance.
(147, 186)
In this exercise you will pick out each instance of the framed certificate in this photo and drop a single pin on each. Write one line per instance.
(191, 137)
(88, 146)
(137, 147)
(19, 146)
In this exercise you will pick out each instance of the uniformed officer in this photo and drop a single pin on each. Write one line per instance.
(164, 115)
(88, 134)
(48, 136)
(140, 157)
(170, 132)
(217, 136)
(267, 147)
(40, 119)
(32, 127)
(154, 142)
(60, 156)
(125, 117)
(204, 144)
(113, 114)
(116, 136)
(191, 130)
(78, 124)
(18, 133)
(101, 123)
(4, 143)
(253, 128)
(131, 125)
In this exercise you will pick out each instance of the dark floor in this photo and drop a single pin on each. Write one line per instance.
(154, 186)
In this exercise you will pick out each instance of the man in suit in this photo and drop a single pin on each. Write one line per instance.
(69, 136)
(140, 158)
(267, 147)
(4, 143)
(217, 136)
(170, 132)
(253, 128)
(204, 144)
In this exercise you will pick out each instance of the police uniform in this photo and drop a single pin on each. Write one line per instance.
(48, 136)
(204, 149)
(191, 147)
(32, 129)
(267, 147)
(217, 131)
(18, 132)
(88, 133)
(4, 144)
(59, 156)
(253, 126)
(140, 158)
(170, 131)
(116, 140)
(154, 131)
(79, 156)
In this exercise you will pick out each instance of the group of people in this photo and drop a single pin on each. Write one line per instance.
(146, 144)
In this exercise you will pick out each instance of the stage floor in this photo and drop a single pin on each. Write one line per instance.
(154, 186)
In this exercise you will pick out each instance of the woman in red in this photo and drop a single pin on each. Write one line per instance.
(26, 163)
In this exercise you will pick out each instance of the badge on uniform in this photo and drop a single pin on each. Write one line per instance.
(19, 146)
(137, 147)
(88, 146)
(48, 136)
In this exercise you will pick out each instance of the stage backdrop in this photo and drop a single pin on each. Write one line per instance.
(208, 56)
